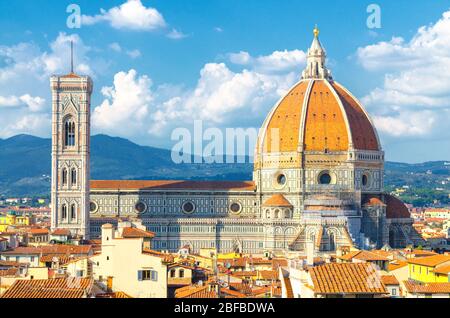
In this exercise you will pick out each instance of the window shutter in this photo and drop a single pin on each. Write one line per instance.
(154, 275)
(139, 275)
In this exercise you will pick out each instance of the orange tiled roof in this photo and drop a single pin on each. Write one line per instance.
(325, 124)
(195, 292)
(346, 278)
(430, 261)
(38, 231)
(13, 271)
(389, 280)
(171, 185)
(268, 275)
(118, 294)
(132, 232)
(396, 265)
(395, 208)
(4, 263)
(277, 200)
(50, 288)
(364, 256)
(50, 249)
(65, 232)
(277, 262)
(445, 269)
(287, 114)
(427, 288)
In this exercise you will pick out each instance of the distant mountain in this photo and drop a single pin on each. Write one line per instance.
(25, 166)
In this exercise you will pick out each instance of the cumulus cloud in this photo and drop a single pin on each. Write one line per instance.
(132, 15)
(126, 104)
(414, 99)
(34, 103)
(278, 61)
(24, 81)
(220, 98)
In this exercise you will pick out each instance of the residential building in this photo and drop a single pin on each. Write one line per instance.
(126, 263)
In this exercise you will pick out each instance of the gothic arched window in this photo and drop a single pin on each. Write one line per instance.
(73, 213)
(64, 212)
(73, 176)
(64, 176)
(69, 132)
(332, 242)
(277, 214)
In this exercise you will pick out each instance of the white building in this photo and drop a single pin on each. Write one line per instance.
(127, 263)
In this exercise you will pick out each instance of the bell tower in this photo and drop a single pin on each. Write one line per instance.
(71, 100)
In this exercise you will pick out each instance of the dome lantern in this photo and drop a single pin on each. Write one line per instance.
(315, 60)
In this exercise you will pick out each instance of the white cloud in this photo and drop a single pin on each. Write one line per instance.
(134, 53)
(34, 104)
(415, 97)
(133, 108)
(126, 104)
(24, 82)
(218, 29)
(278, 61)
(37, 124)
(115, 47)
(132, 15)
(176, 35)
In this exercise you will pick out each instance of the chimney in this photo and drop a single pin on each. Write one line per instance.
(310, 253)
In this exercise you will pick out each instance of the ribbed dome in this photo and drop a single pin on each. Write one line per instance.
(317, 115)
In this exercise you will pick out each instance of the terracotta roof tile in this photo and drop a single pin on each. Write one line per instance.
(396, 264)
(430, 261)
(172, 185)
(389, 280)
(277, 200)
(132, 232)
(396, 209)
(50, 288)
(427, 288)
(346, 278)
(63, 232)
(444, 270)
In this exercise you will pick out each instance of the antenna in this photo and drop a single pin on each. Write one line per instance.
(71, 56)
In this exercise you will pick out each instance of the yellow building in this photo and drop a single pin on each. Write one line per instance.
(429, 269)
(12, 219)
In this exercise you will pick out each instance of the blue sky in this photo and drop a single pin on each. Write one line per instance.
(226, 62)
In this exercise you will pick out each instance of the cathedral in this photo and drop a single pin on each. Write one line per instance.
(317, 179)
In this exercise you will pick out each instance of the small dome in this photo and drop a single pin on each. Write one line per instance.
(396, 209)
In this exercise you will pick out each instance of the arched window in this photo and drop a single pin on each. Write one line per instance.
(73, 176)
(69, 133)
(277, 214)
(73, 212)
(267, 214)
(287, 214)
(181, 273)
(64, 212)
(332, 242)
(172, 273)
(64, 176)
